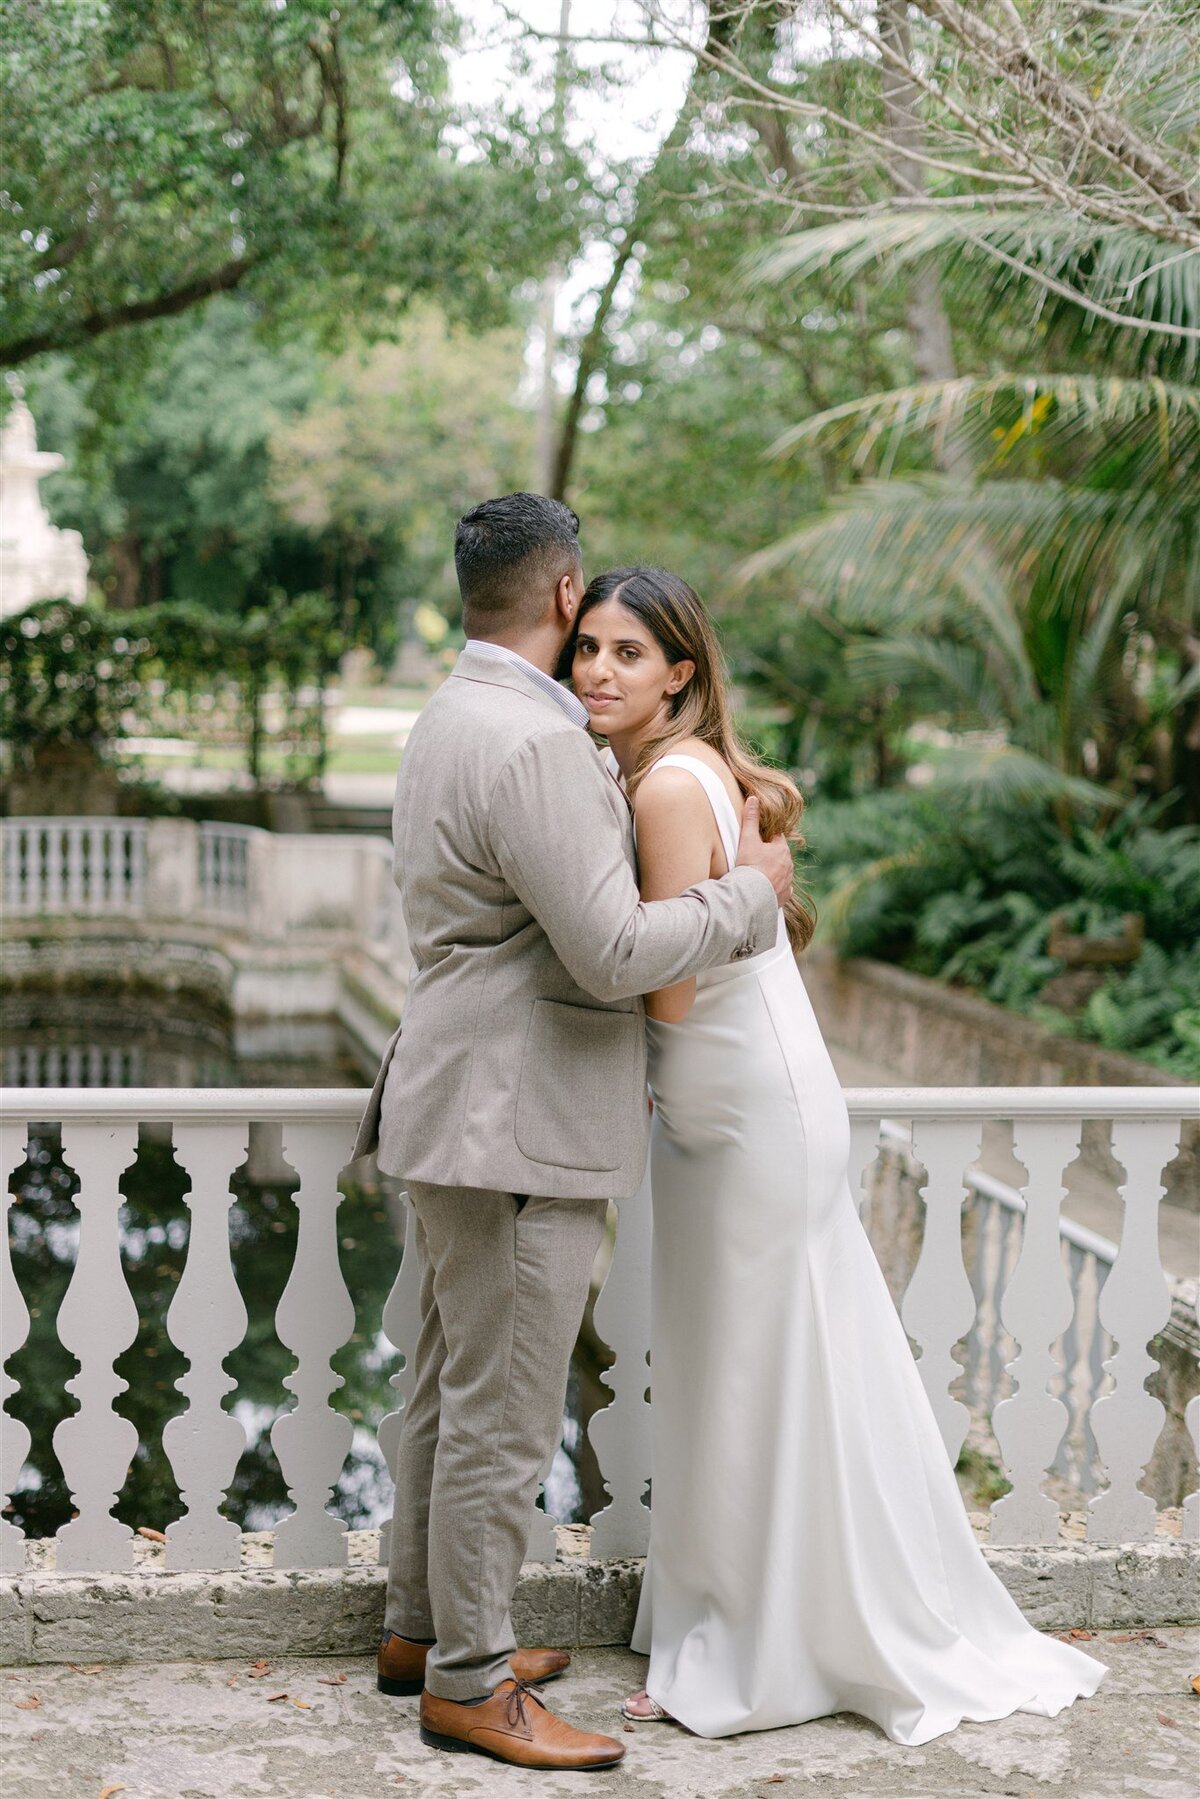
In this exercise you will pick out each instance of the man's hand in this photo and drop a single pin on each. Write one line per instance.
(774, 859)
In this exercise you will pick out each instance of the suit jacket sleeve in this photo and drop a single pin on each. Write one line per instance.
(559, 845)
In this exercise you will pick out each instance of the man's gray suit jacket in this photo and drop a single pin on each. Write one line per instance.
(521, 1062)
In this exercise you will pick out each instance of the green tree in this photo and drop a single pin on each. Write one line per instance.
(163, 151)
(398, 440)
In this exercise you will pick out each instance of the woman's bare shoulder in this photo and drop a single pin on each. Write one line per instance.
(667, 790)
(704, 752)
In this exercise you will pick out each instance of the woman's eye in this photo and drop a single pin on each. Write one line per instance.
(630, 655)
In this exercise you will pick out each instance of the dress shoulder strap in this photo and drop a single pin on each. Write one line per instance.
(729, 825)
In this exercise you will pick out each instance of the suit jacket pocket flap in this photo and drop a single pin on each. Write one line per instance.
(582, 1083)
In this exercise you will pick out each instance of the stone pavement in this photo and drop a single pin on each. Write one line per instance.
(208, 1730)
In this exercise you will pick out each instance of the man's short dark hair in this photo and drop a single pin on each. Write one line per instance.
(510, 554)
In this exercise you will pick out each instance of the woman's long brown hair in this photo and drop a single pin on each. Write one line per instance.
(673, 614)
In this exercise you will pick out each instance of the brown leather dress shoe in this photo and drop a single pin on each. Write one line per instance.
(400, 1666)
(513, 1725)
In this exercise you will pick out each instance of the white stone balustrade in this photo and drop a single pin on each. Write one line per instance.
(78, 867)
(273, 925)
(1025, 1276)
(168, 870)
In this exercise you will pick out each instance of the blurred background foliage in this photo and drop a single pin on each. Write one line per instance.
(898, 371)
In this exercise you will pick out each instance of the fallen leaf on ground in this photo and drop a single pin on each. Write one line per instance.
(331, 1680)
(232, 1681)
(107, 1792)
(275, 1698)
(1081, 1636)
(97, 1668)
(630, 1730)
(1163, 1719)
(775, 1780)
(303, 1704)
(257, 1669)
(151, 1536)
(28, 1705)
(1195, 1683)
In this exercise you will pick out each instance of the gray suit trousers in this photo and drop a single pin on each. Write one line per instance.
(503, 1285)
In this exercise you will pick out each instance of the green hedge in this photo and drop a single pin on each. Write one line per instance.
(84, 675)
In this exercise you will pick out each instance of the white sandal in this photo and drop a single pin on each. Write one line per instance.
(656, 1714)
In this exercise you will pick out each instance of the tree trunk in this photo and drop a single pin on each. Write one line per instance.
(126, 556)
(928, 325)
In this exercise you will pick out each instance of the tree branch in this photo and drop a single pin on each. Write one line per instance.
(161, 306)
(1072, 105)
(589, 360)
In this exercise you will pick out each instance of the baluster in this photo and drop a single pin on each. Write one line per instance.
(1036, 1308)
(402, 1326)
(118, 875)
(939, 1306)
(314, 1319)
(1134, 1306)
(104, 881)
(1191, 1505)
(10, 892)
(864, 1147)
(96, 1321)
(976, 1274)
(621, 1433)
(74, 848)
(206, 1320)
(1071, 1459)
(39, 869)
(14, 1325)
(54, 869)
(95, 888)
(137, 868)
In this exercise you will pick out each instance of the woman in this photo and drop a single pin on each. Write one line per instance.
(809, 1551)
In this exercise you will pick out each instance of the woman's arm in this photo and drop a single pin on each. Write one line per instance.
(676, 835)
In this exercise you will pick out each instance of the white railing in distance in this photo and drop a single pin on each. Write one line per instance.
(224, 868)
(1020, 1282)
(74, 867)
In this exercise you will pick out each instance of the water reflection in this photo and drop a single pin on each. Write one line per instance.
(106, 1035)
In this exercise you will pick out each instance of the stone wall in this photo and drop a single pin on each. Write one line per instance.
(935, 1035)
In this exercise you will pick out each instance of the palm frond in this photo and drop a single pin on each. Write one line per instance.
(1119, 276)
(1160, 420)
(955, 676)
(839, 903)
(895, 553)
(1011, 775)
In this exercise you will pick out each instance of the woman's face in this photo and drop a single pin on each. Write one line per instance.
(621, 673)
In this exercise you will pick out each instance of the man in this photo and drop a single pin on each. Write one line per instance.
(513, 1105)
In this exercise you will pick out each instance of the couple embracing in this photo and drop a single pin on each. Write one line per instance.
(582, 922)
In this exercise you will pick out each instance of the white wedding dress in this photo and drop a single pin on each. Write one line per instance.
(809, 1549)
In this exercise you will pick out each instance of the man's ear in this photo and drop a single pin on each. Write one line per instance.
(568, 594)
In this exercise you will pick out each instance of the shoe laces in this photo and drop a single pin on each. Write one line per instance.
(514, 1705)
